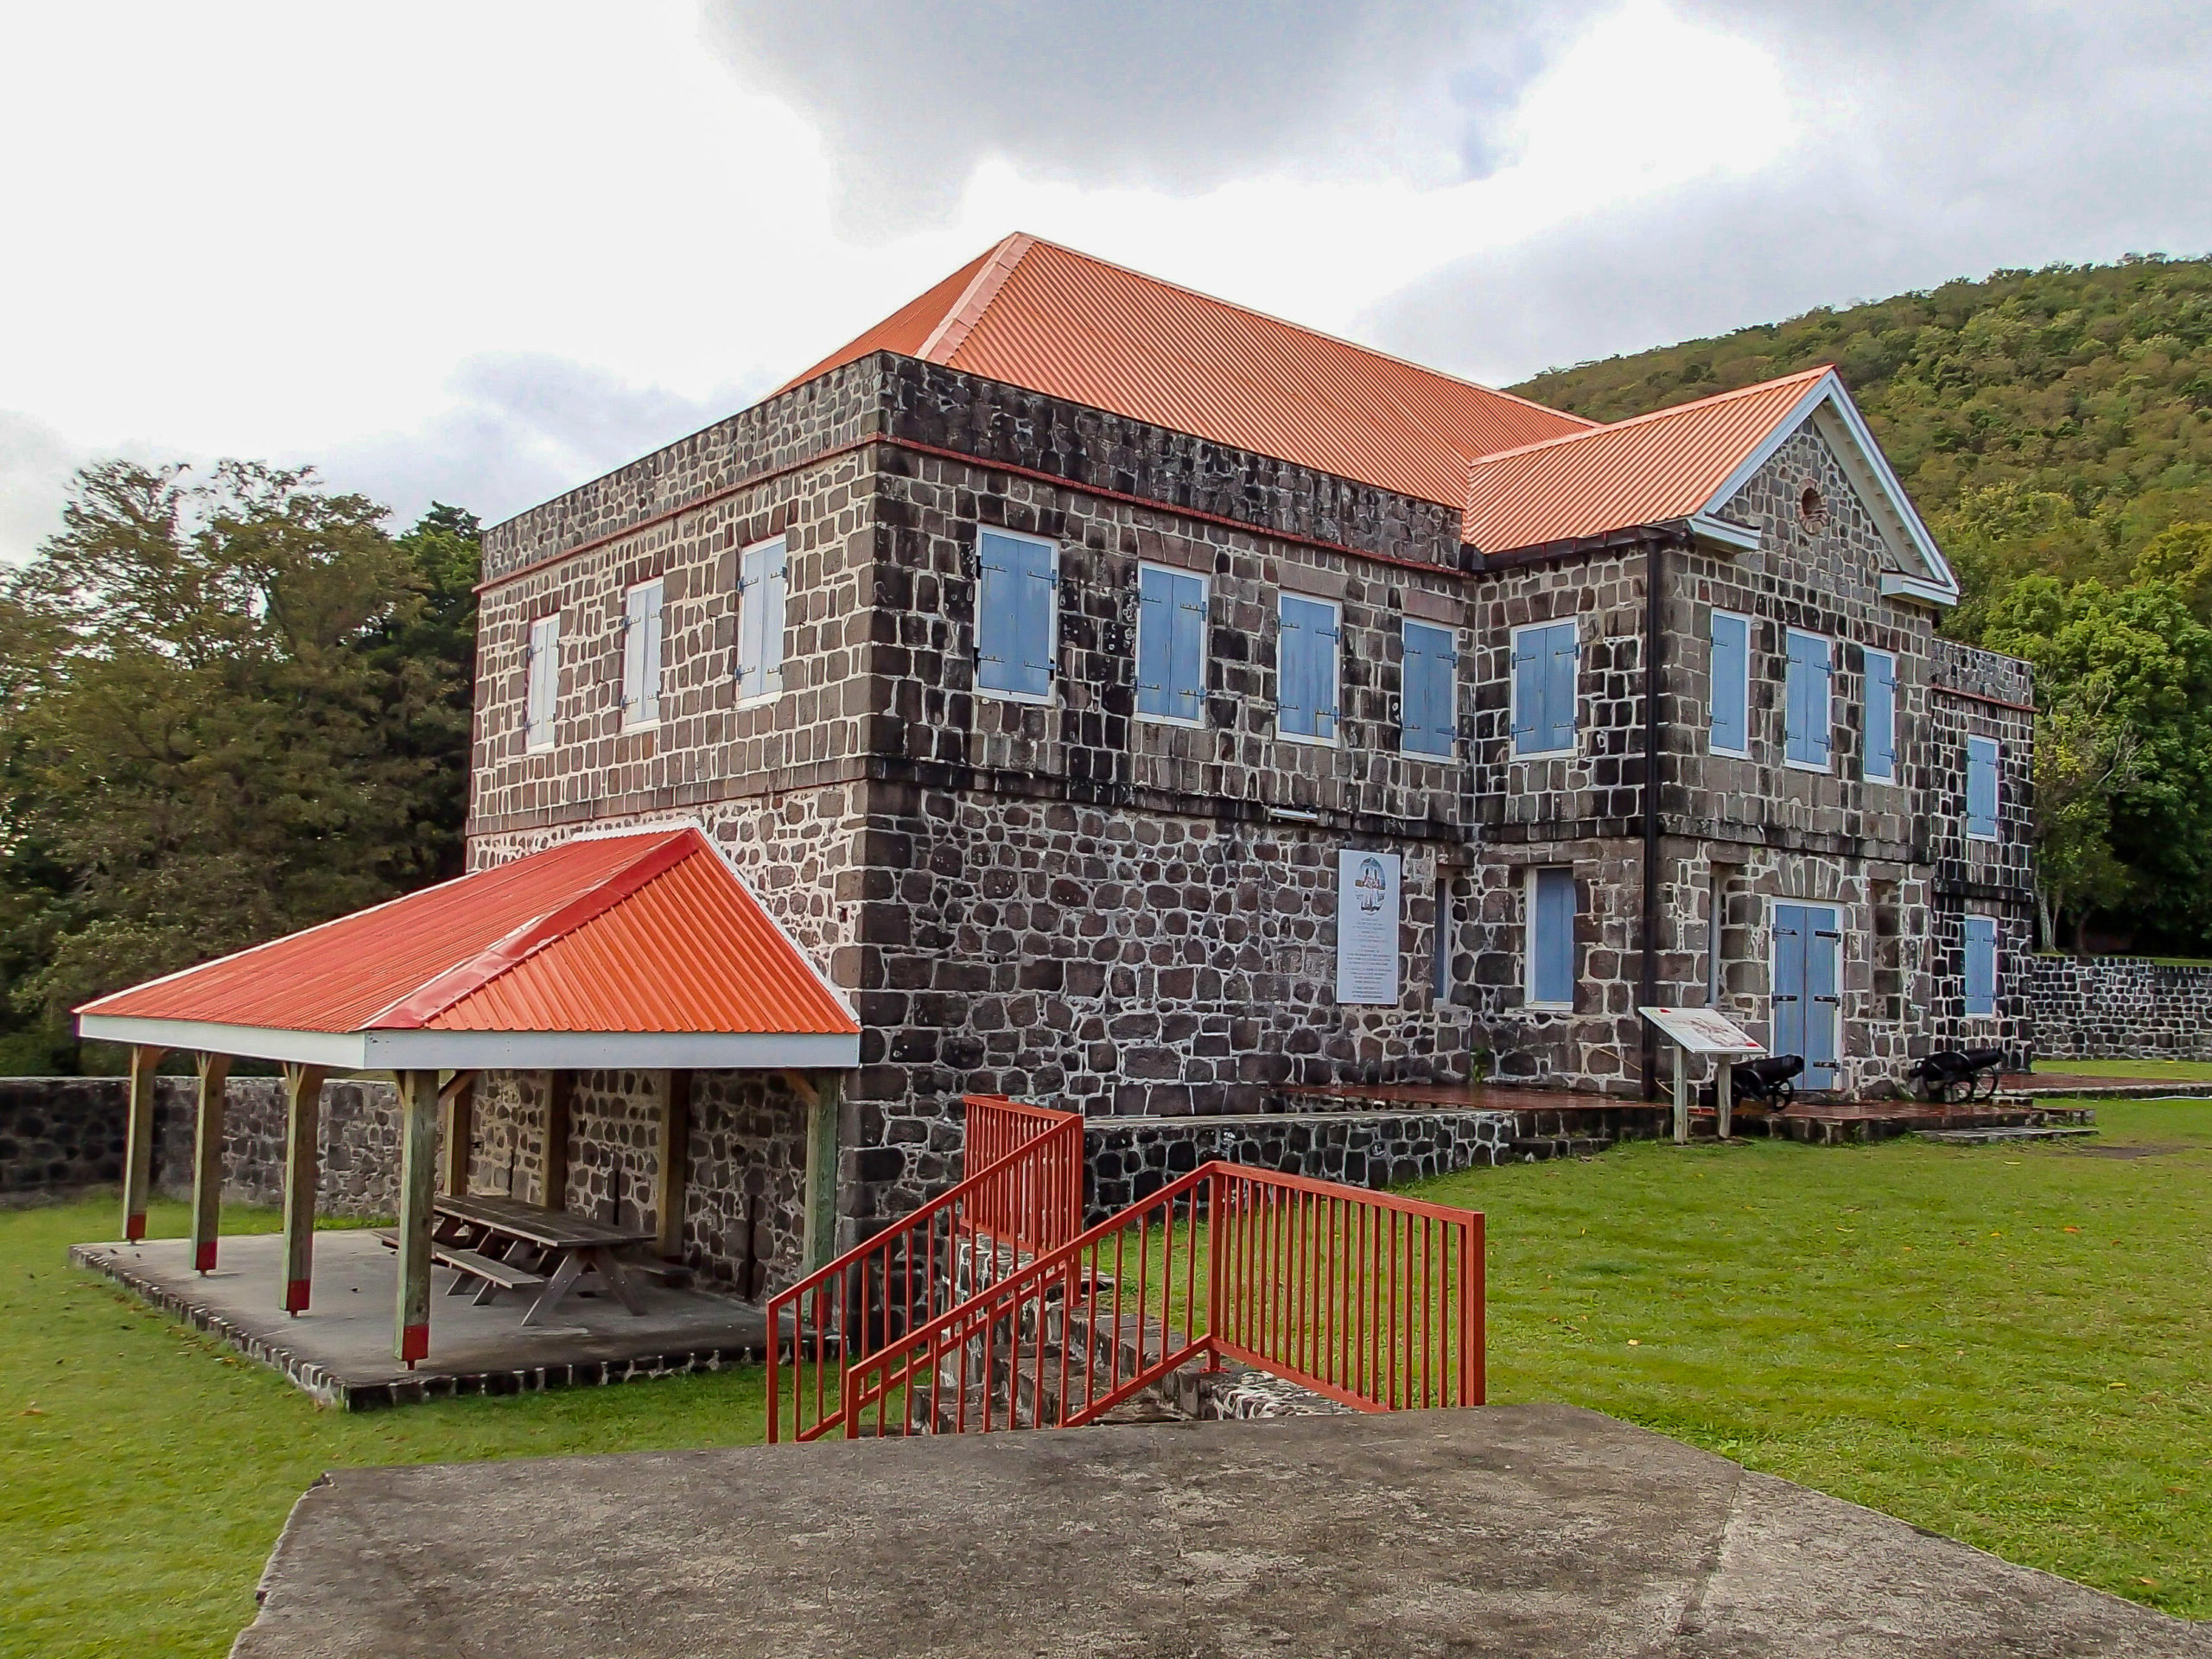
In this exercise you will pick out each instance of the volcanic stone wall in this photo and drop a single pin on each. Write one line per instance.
(59, 1134)
(2114, 1007)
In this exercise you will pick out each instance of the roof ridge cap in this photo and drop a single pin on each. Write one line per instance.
(982, 290)
(1650, 415)
(434, 995)
(1318, 333)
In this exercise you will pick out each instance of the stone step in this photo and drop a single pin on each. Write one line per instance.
(2017, 1132)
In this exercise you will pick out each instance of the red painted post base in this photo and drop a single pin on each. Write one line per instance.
(204, 1260)
(295, 1295)
(414, 1344)
(134, 1229)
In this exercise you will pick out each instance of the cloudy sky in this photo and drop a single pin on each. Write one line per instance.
(482, 250)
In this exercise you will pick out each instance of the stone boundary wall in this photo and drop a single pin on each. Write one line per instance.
(2120, 1008)
(59, 1135)
(1128, 1158)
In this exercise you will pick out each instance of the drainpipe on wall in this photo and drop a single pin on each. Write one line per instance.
(1648, 974)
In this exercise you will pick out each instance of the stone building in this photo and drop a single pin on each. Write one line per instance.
(1040, 657)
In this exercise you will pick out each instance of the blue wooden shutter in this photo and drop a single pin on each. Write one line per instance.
(1982, 965)
(1881, 717)
(1559, 686)
(1014, 624)
(1529, 658)
(1187, 649)
(1808, 712)
(1427, 699)
(1155, 640)
(1731, 676)
(1306, 699)
(1981, 788)
(1551, 945)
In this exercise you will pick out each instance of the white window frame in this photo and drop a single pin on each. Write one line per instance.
(1712, 748)
(1965, 959)
(1997, 780)
(1451, 749)
(1206, 602)
(1529, 940)
(538, 724)
(642, 652)
(1335, 738)
(1866, 772)
(1573, 624)
(1036, 699)
(771, 664)
(1825, 768)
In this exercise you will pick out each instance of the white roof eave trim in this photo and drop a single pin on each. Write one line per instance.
(521, 1051)
(1939, 587)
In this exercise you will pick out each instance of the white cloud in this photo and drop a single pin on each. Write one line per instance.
(485, 251)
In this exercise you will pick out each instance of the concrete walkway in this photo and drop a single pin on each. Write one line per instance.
(1535, 1530)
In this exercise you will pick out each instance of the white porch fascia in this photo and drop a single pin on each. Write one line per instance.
(476, 1051)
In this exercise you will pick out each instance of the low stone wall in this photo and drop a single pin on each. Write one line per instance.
(2120, 1008)
(62, 1134)
(1128, 1158)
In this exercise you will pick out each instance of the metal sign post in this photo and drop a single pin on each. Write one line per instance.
(1700, 1031)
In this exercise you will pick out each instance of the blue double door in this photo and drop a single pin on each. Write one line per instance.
(1808, 978)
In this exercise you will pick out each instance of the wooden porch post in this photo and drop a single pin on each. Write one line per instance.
(138, 1141)
(418, 1158)
(824, 1094)
(553, 1188)
(672, 1169)
(208, 1160)
(456, 1133)
(302, 1131)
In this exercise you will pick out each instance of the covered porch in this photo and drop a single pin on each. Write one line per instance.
(636, 969)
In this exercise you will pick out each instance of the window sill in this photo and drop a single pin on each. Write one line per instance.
(1177, 720)
(1983, 840)
(546, 748)
(1825, 769)
(759, 699)
(1030, 699)
(1311, 742)
(1727, 754)
(1535, 1007)
(629, 726)
(1545, 754)
(1442, 757)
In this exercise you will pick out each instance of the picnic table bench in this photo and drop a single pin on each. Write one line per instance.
(496, 1244)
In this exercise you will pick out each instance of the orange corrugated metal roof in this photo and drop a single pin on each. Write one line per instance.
(647, 932)
(1647, 470)
(1036, 315)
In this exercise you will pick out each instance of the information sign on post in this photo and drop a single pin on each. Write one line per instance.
(1701, 1031)
(1367, 928)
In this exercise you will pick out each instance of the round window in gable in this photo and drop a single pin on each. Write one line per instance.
(1811, 508)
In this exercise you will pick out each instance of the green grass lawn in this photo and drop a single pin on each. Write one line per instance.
(2156, 1071)
(2012, 1345)
(2009, 1345)
(147, 1470)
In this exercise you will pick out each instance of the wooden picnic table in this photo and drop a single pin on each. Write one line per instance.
(479, 1234)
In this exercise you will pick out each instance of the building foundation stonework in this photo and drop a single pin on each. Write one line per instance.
(1064, 897)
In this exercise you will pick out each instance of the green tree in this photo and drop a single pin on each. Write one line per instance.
(2124, 682)
(243, 710)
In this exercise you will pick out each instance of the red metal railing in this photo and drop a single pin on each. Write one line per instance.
(1026, 1199)
(1370, 1300)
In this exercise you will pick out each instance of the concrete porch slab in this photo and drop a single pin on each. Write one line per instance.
(340, 1350)
(1532, 1530)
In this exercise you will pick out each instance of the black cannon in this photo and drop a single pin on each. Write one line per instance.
(1958, 1075)
(1759, 1083)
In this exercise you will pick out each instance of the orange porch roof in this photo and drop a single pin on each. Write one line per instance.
(641, 949)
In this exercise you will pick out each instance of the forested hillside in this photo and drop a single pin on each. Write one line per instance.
(2055, 428)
